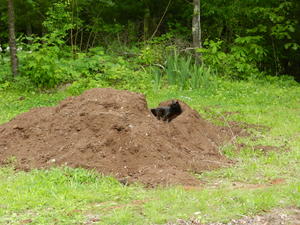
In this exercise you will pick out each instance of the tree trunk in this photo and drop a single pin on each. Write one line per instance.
(12, 38)
(29, 30)
(196, 30)
(146, 24)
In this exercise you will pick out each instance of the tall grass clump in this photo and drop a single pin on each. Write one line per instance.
(156, 77)
(183, 72)
(202, 77)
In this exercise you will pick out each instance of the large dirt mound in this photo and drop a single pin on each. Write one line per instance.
(115, 133)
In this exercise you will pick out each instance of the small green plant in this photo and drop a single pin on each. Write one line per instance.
(150, 54)
(11, 161)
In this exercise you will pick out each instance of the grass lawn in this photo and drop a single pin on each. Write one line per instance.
(77, 196)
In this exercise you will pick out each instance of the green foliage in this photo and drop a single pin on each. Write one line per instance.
(281, 26)
(97, 69)
(244, 40)
(249, 47)
(43, 66)
(4, 68)
(89, 64)
(151, 54)
(48, 66)
(203, 77)
(156, 77)
(242, 60)
(178, 70)
(154, 51)
(58, 20)
(279, 30)
(238, 24)
(281, 81)
(182, 72)
(77, 87)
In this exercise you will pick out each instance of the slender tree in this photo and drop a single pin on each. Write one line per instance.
(12, 38)
(196, 30)
(147, 18)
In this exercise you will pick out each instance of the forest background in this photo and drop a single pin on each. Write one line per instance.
(148, 43)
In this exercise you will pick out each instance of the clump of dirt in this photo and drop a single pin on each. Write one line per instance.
(115, 133)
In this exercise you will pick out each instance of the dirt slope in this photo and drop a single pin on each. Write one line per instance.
(115, 133)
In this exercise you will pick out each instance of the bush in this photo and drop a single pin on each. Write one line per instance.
(43, 63)
(43, 67)
(239, 63)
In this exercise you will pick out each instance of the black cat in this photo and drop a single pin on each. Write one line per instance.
(167, 113)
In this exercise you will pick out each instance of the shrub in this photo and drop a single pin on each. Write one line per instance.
(43, 64)
(43, 67)
(241, 62)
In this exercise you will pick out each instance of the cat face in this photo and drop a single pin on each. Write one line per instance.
(175, 105)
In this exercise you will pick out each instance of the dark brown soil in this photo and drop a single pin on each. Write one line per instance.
(115, 133)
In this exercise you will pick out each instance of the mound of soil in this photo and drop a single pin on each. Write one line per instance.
(115, 133)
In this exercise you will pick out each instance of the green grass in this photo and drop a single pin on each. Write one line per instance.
(13, 103)
(77, 196)
(73, 196)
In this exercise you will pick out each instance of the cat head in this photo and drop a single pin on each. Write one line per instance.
(175, 105)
